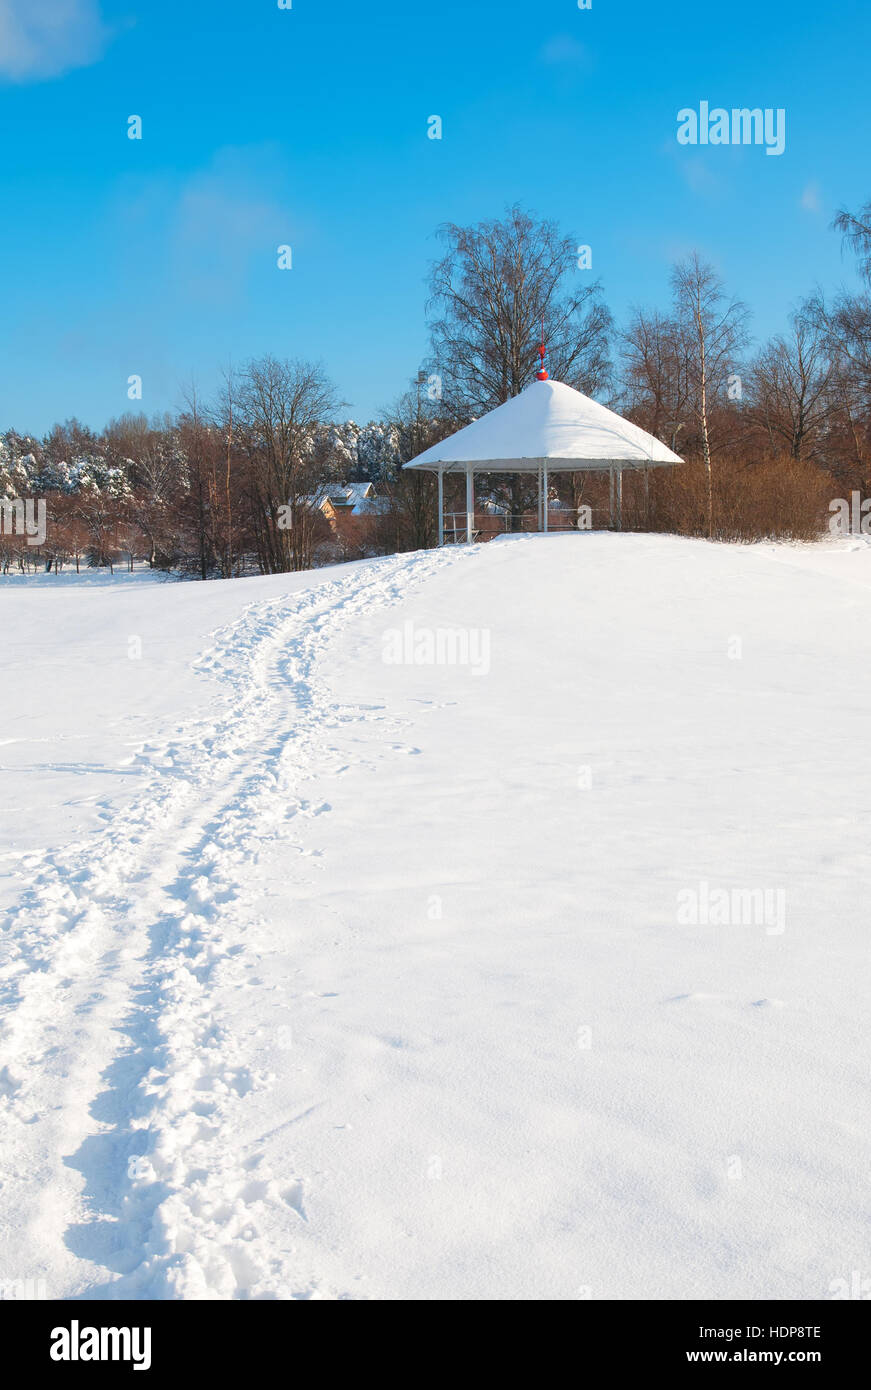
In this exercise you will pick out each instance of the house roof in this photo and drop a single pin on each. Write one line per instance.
(356, 498)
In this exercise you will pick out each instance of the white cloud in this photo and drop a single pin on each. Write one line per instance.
(43, 38)
(810, 198)
(227, 217)
(565, 51)
(699, 177)
(204, 233)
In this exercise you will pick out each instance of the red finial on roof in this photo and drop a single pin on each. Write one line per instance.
(542, 374)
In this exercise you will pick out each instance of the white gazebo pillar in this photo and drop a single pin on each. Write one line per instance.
(611, 497)
(544, 497)
(470, 504)
(619, 499)
(441, 473)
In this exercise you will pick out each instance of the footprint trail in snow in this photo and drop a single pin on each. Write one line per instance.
(116, 1067)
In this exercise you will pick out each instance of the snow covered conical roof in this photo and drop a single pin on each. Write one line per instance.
(548, 422)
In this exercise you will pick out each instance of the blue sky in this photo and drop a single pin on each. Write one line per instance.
(308, 127)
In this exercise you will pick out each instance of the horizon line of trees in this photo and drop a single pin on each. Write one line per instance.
(208, 490)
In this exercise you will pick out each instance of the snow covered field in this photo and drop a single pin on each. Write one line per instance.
(539, 974)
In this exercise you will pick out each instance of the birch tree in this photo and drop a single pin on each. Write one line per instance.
(713, 329)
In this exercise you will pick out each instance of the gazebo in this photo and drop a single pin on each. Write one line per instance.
(548, 428)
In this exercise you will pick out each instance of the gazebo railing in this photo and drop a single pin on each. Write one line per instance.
(490, 524)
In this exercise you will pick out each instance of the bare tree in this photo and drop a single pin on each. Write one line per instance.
(279, 405)
(847, 321)
(856, 231)
(490, 292)
(200, 449)
(655, 374)
(229, 400)
(410, 520)
(790, 395)
(713, 332)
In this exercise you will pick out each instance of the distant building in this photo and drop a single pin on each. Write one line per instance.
(349, 499)
(352, 512)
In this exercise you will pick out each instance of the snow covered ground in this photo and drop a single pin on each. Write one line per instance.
(332, 969)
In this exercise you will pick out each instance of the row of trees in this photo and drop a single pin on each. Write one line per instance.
(218, 489)
(232, 484)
